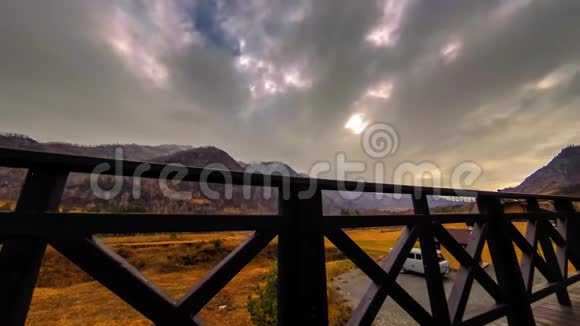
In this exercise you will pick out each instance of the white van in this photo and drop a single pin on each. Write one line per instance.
(414, 262)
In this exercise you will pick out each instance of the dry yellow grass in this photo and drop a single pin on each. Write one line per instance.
(67, 296)
(161, 238)
(7, 205)
(79, 300)
(376, 242)
(173, 265)
(91, 304)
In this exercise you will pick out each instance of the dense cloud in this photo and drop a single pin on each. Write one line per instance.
(494, 82)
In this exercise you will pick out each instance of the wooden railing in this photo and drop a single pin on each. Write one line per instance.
(301, 228)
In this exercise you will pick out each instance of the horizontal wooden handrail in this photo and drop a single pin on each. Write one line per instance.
(85, 164)
(300, 229)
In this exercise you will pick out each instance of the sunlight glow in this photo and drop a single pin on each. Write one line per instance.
(549, 81)
(356, 123)
(451, 50)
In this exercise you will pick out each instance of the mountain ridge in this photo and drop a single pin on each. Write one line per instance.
(561, 176)
(130, 151)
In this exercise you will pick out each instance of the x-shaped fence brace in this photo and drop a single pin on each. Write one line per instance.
(384, 274)
(41, 192)
(301, 239)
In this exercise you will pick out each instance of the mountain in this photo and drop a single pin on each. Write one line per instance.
(19, 142)
(336, 202)
(201, 157)
(271, 167)
(79, 195)
(560, 176)
(130, 151)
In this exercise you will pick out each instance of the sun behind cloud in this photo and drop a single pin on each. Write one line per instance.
(356, 123)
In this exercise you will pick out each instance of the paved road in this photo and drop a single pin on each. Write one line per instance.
(353, 284)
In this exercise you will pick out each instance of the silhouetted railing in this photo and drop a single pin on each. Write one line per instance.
(300, 227)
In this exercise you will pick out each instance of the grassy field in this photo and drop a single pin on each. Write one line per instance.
(65, 295)
(175, 262)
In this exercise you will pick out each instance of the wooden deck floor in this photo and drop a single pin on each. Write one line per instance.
(549, 312)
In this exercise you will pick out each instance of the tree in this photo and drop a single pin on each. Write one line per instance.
(263, 305)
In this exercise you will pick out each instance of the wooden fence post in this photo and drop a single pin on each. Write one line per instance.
(20, 259)
(302, 298)
(569, 228)
(505, 262)
(435, 290)
(549, 256)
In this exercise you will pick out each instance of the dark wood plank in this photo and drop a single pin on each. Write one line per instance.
(365, 221)
(361, 221)
(552, 262)
(558, 320)
(302, 290)
(554, 234)
(505, 262)
(469, 269)
(434, 279)
(547, 231)
(486, 315)
(366, 311)
(378, 275)
(572, 235)
(302, 279)
(20, 258)
(527, 264)
(83, 164)
(410, 305)
(222, 273)
(360, 258)
(573, 279)
(121, 278)
(526, 216)
(543, 292)
(435, 290)
(567, 209)
(562, 226)
(526, 248)
(559, 314)
(470, 258)
(16, 224)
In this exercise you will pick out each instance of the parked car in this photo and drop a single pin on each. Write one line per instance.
(414, 262)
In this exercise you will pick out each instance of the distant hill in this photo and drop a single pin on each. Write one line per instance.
(560, 176)
(130, 151)
(271, 167)
(201, 156)
(78, 194)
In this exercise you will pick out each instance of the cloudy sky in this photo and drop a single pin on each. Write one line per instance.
(491, 82)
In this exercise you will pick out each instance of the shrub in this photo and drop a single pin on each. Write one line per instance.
(263, 305)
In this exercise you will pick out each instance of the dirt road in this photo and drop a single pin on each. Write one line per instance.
(353, 284)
